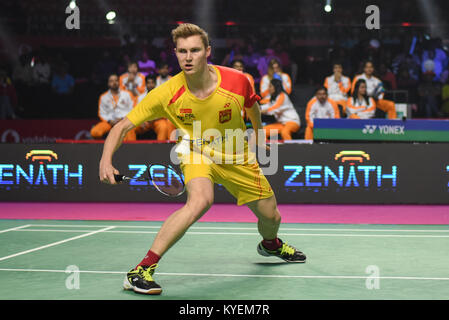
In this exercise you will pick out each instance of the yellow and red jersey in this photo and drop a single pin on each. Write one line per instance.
(220, 111)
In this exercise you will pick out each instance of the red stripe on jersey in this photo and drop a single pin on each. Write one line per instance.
(236, 82)
(177, 95)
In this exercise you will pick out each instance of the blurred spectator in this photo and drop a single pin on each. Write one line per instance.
(434, 59)
(405, 82)
(410, 62)
(429, 92)
(262, 65)
(251, 58)
(103, 68)
(133, 80)
(320, 107)
(360, 105)
(282, 56)
(280, 106)
(375, 89)
(62, 82)
(338, 86)
(123, 65)
(41, 70)
(22, 72)
(162, 127)
(445, 98)
(234, 54)
(62, 85)
(163, 74)
(168, 56)
(22, 77)
(388, 78)
(8, 97)
(274, 72)
(113, 106)
(240, 66)
(146, 65)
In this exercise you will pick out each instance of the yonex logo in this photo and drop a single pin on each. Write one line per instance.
(369, 129)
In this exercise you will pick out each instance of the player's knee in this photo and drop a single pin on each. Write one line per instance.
(273, 217)
(199, 206)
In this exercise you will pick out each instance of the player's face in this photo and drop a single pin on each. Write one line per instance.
(362, 89)
(238, 66)
(150, 84)
(113, 82)
(277, 68)
(321, 96)
(369, 69)
(191, 54)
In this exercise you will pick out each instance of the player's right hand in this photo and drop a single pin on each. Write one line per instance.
(107, 172)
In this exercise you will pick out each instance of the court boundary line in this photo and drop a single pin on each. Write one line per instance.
(55, 243)
(364, 277)
(249, 228)
(15, 228)
(254, 234)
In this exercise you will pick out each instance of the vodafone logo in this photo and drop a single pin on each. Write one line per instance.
(10, 136)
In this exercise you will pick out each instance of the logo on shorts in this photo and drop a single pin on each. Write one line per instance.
(225, 115)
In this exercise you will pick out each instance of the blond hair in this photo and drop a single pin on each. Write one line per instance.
(185, 30)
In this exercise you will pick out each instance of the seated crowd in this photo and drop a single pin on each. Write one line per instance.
(338, 97)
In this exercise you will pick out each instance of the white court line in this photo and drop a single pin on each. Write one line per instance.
(55, 243)
(238, 275)
(15, 228)
(253, 234)
(249, 228)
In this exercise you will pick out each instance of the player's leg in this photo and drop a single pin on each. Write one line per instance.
(268, 217)
(249, 186)
(200, 195)
(268, 223)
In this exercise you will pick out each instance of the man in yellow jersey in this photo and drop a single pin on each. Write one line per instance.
(215, 96)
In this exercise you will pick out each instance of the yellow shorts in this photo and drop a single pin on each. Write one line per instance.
(245, 182)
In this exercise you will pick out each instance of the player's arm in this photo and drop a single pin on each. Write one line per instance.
(112, 143)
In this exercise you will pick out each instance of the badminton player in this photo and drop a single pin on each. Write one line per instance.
(215, 96)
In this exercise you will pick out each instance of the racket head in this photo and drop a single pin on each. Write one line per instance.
(166, 179)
